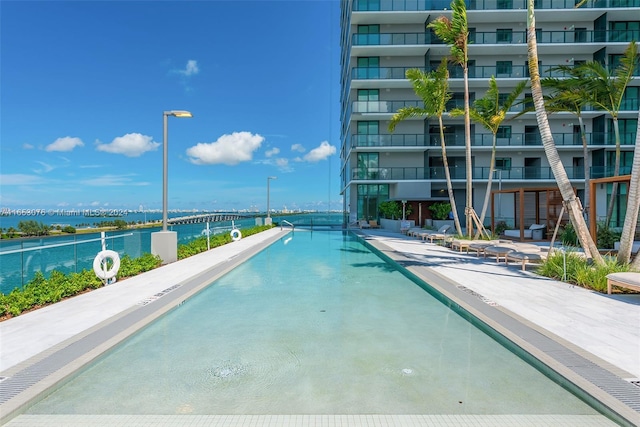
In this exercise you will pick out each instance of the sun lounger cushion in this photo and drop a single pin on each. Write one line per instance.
(528, 232)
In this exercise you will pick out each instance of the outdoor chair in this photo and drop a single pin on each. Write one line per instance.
(438, 235)
(374, 223)
(627, 280)
(526, 255)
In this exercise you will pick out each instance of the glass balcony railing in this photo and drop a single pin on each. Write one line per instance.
(494, 37)
(382, 106)
(475, 72)
(521, 139)
(389, 140)
(480, 173)
(418, 5)
(486, 140)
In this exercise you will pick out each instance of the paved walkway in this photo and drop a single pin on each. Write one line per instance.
(607, 327)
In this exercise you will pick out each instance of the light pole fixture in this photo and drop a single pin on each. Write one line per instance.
(165, 161)
(269, 178)
(165, 243)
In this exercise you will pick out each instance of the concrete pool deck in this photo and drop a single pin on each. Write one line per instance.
(602, 329)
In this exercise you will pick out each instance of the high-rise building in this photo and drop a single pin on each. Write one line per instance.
(382, 39)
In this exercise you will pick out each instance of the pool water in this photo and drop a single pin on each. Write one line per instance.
(314, 324)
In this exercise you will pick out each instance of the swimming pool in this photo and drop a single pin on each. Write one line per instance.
(314, 324)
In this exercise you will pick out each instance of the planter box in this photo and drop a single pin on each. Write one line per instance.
(395, 225)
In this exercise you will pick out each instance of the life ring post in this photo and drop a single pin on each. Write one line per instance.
(102, 269)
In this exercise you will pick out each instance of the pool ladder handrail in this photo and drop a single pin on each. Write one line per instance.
(284, 221)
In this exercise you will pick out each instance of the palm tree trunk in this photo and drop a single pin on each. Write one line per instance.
(585, 153)
(445, 162)
(566, 189)
(616, 172)
(467, 145)
(487, 194)
(633, 207)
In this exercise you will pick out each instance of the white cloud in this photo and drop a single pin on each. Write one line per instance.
(20, 179)
(272, 152)
(64, 144)
(112, 180)
(191, 68)
(45, 167)
(298, 147)
(131, 145)
(320, 153)
(27, 146)
(228, 149)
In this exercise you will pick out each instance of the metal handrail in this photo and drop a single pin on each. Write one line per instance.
(37, 248)
(284, 221)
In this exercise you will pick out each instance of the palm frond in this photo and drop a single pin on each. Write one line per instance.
(406, 113)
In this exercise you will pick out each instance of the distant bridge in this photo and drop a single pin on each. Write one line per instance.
(210, 217)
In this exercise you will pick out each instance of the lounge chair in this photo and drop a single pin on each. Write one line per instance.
(623, 280)
(415, 231)
(374, 223)
(499, 250)
(363, 223)
(527, 255)
(460, 244)
(478, 246)
(441, 234)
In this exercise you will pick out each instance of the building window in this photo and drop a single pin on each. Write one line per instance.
(368, 67)
(369, 198)
(504, 67)
(505, 4)
(368, 133)
(503, 163)
(503, 132)
(504, 35)
(624, 31)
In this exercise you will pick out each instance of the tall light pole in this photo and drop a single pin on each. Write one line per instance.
(165, 243)
(268, 220)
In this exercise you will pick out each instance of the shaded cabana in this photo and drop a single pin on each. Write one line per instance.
(540, 205)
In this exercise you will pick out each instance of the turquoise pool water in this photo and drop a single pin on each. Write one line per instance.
(314, 324)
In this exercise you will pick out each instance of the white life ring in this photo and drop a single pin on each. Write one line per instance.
(102, 257)
(236, 235)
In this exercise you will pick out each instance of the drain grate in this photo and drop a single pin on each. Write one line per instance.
(158, 295)
(477, 295)
(633, 381)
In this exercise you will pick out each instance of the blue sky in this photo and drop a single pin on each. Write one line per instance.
(84, 85)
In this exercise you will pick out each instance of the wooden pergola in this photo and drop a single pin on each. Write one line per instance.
(621, 179)
(553, 205)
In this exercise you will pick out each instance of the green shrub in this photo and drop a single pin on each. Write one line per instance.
(440, 210)
(579, 270)
(568, 236)
(606, 237)
(42, 291)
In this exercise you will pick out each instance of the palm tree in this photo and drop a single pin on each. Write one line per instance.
(633, 207)
(455, 33)
(433, 88)
(571, 95)
(564, 185)
(606, 91)
(491, 113)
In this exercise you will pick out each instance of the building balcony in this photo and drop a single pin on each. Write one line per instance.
(388, 140)
(479, 173)
(381, 141)
(534, 140)
(426, 5)
(475, 72)
(499, 37)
